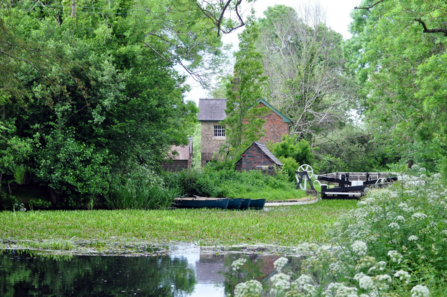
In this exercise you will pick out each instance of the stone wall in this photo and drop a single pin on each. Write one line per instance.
(210, 144)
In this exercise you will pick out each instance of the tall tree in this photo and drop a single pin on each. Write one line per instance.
(303, 60)
(243, 124)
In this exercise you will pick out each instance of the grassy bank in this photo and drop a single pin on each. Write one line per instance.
(278, 225)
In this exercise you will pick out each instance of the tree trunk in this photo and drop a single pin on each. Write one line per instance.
(73, 9)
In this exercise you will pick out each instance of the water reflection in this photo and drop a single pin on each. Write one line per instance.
(191, 274)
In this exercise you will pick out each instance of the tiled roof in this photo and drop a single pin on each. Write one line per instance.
(212, 109)
(268, 153)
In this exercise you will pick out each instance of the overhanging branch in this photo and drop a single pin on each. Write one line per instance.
(426, 30)
(369, 7)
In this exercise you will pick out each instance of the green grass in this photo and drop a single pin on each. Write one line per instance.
(239, 190)
(279, 225)
(272, 195)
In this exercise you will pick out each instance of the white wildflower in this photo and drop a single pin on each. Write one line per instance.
(366, 282)
(281, 283)
(344, 291)
(335, 267)
(383, 281)
(280, 263)
(419, 216)
(436, 176)
(403, 276)
(400, 219)
(394, 226)
(381, 266)
(236, 265)
(395, 256)
(420, 291)
(444, 232)
(361, 203)
(359, 247)
(251, 287)
(413, 238)
(304, 279)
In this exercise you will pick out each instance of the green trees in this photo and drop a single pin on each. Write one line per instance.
(91, 88)
(304, 62)
(400, 65)
(243, 124)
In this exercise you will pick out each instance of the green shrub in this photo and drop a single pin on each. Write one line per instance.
(39, 203)
(139, 189)
(290, 147)
(230, 183)
(7, 202)
(290, 166)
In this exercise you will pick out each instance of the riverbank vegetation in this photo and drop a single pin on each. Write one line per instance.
(393, 244)
(279, 225)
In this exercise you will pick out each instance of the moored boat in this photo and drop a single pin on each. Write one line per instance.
(257, 203)
(245, 203)
(221, 203)
(235, 203)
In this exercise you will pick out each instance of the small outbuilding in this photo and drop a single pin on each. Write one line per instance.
(180, 160)
(258, 157)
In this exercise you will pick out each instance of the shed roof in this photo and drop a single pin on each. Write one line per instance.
(212, 110)
(266, 151)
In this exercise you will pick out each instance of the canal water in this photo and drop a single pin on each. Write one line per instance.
(189, 274)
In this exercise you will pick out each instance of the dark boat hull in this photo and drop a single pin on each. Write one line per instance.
(257, 203)
(201, 203)
(235, 203)
(245, 203)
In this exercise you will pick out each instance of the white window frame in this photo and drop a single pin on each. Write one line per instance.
(219, 131)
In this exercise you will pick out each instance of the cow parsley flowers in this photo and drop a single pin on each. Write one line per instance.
(374, 247)
(359, 247)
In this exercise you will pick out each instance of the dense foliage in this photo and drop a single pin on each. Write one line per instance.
(400, 65)
(89, 89)
(216, 181)
(393, 244)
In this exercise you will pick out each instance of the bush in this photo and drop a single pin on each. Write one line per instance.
(290, 147)
(139, 189)
(393, 244)
(290, 166)
(230, 183)
(7, 202)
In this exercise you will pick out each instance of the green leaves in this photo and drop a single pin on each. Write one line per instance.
(244, 123)
(401, 68)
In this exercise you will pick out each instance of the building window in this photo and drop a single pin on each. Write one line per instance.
(219, 131)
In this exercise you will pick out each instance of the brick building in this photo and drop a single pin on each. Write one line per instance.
(181, 160)
(212, 111)
(258, 157)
